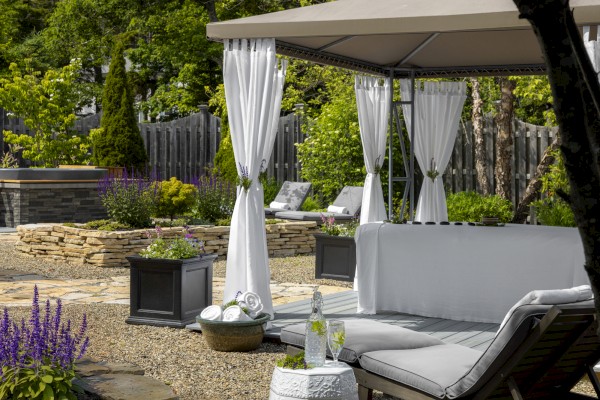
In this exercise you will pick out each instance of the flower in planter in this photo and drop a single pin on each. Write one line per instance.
(186, 246)
(329, 227)
(245, 307)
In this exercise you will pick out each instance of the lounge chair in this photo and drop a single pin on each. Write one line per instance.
(541, 352)
(350, 199)
(291, 196)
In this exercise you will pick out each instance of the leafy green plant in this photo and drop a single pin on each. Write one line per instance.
(311, 204)
(471, 207)
(129, 199)
(293, 362)
(553, 210)
(175, 248)
(270, 188)
(118, 141)
(47, 105)
(37, 359)
(105, 225)
(223, 222)
(174, 198)
(216, 198)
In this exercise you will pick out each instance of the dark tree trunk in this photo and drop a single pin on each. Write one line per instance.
(504, 141)
(576, 95)
(535, 184)
(480, 150)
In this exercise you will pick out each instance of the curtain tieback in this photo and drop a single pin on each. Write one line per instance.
(243, 179)
(432, 173)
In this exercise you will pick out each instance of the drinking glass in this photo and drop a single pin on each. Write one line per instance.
(336, 336)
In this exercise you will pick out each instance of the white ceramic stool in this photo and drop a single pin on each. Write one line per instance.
(330, 382)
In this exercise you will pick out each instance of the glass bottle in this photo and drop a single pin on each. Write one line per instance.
(316, 333)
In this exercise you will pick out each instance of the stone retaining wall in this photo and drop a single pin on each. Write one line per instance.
(109, 249)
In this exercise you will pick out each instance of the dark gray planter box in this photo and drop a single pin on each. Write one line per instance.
(169, 292)
(336, 257)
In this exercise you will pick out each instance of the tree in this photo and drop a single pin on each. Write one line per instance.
(480, 148)
(576, 94)
(47, 105)
(118, 141)
(504, 141)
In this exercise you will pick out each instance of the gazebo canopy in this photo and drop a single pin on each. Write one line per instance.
(427, 37)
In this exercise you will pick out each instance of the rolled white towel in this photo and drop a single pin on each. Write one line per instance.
(253, 303)
(282, 206)
(235, 313)
(337, 209)
(213, 313)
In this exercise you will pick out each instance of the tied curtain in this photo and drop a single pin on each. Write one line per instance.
(253, 88)
(437, 110)
(373, 103)
(592, 46)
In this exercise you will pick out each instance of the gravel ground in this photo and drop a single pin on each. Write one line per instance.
(178, 357)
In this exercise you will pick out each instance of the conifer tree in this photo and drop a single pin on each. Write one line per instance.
(118, 141)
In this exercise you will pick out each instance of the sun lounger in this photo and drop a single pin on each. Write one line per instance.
(349, 198)
(291, 196)
(541, 351)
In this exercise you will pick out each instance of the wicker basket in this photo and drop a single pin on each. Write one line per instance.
(234, 336)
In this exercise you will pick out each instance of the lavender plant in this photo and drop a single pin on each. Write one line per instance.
(37, 358)
(130, 198)
(329, 227)
(216, 198)
(243, 179)
(176, 248)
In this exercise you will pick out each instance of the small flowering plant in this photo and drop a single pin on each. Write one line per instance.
(329, 227)
(37, 358)
(176, 248)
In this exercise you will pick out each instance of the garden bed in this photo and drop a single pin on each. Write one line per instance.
(109, 249)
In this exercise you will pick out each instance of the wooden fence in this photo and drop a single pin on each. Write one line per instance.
(186, 147)
(529, 144)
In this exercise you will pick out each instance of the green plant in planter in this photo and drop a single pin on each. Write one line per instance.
(293, 362)
(175, 248)
(329, 227)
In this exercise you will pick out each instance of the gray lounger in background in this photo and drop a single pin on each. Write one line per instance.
(292, 193)
(350, 197)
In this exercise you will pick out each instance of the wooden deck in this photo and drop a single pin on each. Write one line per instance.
(343, 306)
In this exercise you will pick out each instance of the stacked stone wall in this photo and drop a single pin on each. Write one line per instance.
(109, 249)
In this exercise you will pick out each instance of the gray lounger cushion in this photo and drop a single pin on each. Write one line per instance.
(292, 193)
(507, 340)
(429, 369)
(364, 336)
(350, 197)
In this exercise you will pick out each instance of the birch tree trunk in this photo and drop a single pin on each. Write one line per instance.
(480, 148)
(576, 93)
(504, 141)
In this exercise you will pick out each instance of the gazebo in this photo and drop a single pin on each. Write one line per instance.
(394, 39)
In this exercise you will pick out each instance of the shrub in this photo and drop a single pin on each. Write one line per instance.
(216, 198)
(329, 227)
(37, 359)
(118, 141)
(174, 198)
(554, 211)
(105, 225)
(270, 187)
(129, 199)
(471, 206)
(311, 204)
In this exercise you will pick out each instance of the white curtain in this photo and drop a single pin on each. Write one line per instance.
(253, 88)
(592, 46)
(438, 106)
(373, 101)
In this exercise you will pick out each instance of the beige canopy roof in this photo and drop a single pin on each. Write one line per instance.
(429, 37)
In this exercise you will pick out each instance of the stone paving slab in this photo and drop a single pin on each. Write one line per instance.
(16, 289)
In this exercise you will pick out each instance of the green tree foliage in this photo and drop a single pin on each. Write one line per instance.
(331, 156)
(553, 209)
(47, 105)
(118, 142)
(175, 198)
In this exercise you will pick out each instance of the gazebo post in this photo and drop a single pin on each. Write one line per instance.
(412, 146)
(390, 150)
